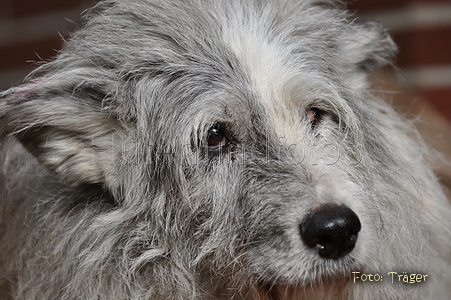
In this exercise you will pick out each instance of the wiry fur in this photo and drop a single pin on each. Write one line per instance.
(111, 193)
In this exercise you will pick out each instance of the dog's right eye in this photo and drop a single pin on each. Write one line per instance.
(314, 116)
(216, 138)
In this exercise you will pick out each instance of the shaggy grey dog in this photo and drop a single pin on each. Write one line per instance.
(217, 149)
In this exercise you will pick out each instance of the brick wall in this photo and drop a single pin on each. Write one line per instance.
(30, 31)
(422, 30)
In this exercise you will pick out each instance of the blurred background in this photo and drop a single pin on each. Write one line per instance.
(32, 30)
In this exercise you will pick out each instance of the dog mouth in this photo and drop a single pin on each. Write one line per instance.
(329, 234)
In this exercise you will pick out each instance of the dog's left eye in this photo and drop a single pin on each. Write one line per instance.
(216, 138)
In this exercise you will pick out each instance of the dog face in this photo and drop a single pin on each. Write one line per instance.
(229, 149)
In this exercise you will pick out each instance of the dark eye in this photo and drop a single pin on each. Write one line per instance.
(216, 138)
(314, 116)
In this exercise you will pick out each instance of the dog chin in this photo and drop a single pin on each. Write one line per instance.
(324, 288)
(312, 284)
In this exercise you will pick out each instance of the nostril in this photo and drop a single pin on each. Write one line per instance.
(331, 230)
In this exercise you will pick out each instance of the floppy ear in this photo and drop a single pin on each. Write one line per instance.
(369, 47)
(60, 120)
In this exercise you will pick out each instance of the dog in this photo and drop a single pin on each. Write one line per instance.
(217, 150)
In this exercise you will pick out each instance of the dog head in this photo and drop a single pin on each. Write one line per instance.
(227, 134)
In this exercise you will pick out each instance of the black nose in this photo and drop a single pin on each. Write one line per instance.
(331, 230)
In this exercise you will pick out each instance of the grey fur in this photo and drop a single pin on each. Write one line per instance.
(111, 193)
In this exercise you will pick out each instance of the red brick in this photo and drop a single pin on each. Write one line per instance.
(430, 46)
(31, 7)
(20, 55)
(6, 9)
(440, 98)
(366, 6)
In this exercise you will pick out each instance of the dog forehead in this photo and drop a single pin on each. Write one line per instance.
(270, 50)
(267, 79)
(283, 85)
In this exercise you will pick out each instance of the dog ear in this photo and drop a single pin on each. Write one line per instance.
(63, 121)
(369, 47)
